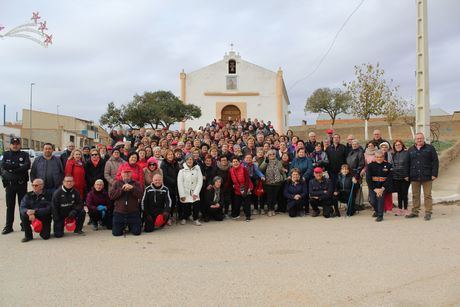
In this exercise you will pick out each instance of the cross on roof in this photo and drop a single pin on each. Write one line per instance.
(231, 46)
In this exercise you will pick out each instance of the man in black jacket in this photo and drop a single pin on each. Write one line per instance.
(379, 180)
(337, 155)
(15, 174)
(66, 153)
(36, 205)
(156, 201)
(320, 190)
(49, 168)
(424, 168)
(66, 203)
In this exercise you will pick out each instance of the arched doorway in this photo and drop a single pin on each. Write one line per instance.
(230, 112)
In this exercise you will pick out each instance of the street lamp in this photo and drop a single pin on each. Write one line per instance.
(30, 116)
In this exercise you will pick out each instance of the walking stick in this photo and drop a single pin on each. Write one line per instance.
(349, 199)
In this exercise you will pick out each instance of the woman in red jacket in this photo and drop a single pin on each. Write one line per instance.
(137, 173)
(243, 186)
(76, 168)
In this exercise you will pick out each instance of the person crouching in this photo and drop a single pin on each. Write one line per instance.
(346, 185)
(320, 189)
(296, 193)
(99, 206)
(214, 198)
(35, 205)
(126, 193)
(379, 180)
(156, 204)
(67, 205)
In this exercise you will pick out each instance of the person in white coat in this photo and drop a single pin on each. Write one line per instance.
(189, 182)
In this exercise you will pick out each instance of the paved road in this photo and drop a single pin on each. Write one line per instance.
(269, 261)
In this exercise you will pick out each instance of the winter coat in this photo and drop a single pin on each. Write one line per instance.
(126, 201)
(189, 182)
(94, 172)
(51, 171)
(424, 163)
(291, 189)
(15, 166)
(137, 173)
(143, 163)
(111, 169)
(344, 183)
(356, 161)
(66, 202)
(209, 172)
(41, 203)
(77, 171)
(379, 175)
(254, 170)
(305, 166)
(322, 189)
(64, 157)
(156, 200)
(224, 173)
(401, 166)
(170, 172)
(96, 198)
(319, 159)
(337, 156)
(241, 180)
(273, 170)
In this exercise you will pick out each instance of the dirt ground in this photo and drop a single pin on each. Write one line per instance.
(269, 261)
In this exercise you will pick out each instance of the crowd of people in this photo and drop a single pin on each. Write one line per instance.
(145, 180)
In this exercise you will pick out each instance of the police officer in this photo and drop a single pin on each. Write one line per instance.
(15, 174)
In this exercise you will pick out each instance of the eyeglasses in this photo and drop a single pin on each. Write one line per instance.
(94, 155)
(36, 185)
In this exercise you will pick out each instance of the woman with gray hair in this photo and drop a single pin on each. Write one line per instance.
(274, 178)
(213, 208)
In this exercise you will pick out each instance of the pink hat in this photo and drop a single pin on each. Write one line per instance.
(318, 170)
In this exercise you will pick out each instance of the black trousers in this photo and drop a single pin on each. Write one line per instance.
(96, 216)
(294, 206)
(58, 225)
(401, 187)
(214, 214)
(13, 191)
(325, 204)
(131, 220)
(343, 197)
(187, 209)
(239, 201)
(271, 192)
(46, 223)
(149, 222)
(281, 199)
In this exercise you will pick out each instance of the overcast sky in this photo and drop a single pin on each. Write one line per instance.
(106, 51)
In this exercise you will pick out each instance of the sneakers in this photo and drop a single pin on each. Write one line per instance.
(169, 222)
(183, 222)
(427, 216)
(79, 232)
(248, 219)
(197, 223)
(26, 239)
(273, 213)
(398, 212)
(379, 219)
(261, 211)
(255, 212)
(269, 214)
(236, 217)
(411, 216)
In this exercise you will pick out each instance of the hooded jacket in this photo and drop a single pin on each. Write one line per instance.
(189, 182)
(148, 174)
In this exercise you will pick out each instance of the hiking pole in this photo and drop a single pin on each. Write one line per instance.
(349, 199)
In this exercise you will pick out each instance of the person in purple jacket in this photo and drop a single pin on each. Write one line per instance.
(99, 206)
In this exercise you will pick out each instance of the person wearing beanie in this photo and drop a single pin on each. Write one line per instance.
(189, 183)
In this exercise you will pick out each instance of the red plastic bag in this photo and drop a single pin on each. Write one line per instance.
(259, 190)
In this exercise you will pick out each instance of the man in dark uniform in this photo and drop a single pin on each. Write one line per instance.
(15, 174)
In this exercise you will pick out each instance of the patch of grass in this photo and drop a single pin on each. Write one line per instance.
(439, 145)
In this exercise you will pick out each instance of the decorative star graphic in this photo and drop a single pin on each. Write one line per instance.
(42, 27)
(48, 39)
(35, 17)
(1, 28)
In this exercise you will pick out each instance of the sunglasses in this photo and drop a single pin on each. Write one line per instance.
(150, 164)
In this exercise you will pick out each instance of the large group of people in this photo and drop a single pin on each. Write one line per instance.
(145, 180)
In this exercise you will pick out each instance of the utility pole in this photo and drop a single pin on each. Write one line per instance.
(422, 107)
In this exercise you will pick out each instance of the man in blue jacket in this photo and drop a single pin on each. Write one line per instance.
(424, 168)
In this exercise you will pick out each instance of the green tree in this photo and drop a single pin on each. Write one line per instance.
(333, 102)
(369, 92)
(112, 117)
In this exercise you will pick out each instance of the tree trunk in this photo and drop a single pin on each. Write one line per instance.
(389, 133)
(412, 131)
(366, 134)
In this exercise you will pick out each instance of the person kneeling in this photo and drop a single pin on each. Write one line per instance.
(345, 190)
(156, 204)
(214, 199)
(125, 192)
(67, 205)
(36, 211)
(320, 189)
(296, 193)
(379, 180)
(99, 206)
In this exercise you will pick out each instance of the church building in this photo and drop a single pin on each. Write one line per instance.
(234, 89)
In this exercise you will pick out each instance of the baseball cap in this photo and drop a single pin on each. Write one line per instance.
(15, 140)
(318, 170)
(329, 131)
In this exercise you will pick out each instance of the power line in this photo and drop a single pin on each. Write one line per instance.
(330, 47)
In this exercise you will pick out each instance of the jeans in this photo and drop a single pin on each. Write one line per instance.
(325, 203)
(377, 202)
(121, 220)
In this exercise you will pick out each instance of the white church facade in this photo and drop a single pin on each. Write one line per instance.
(234, 89)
